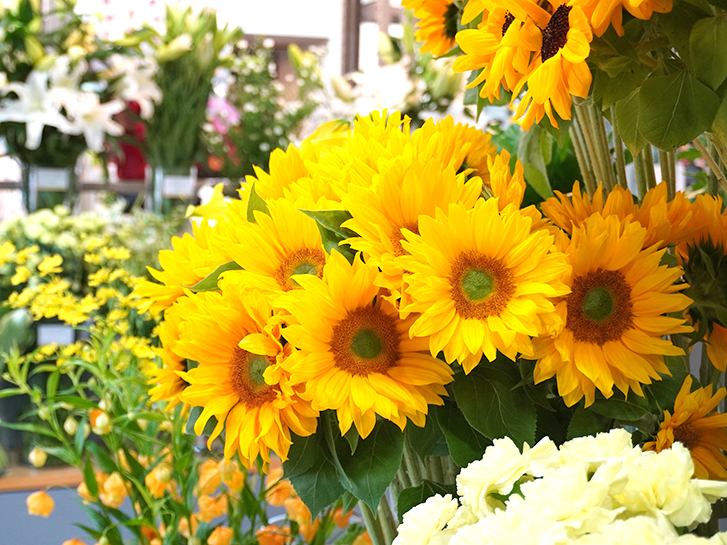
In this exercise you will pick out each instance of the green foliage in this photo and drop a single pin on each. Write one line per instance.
(333, 234)
(535, 152)
(707, 50)
(411, 497)
(209, 282)
(465, 443)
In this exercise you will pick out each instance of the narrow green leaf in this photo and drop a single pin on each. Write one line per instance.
(51, 386)
(89, 477)
(375, 463)
(708, 49)
(465, 443)
(103, 460)
(78, 402)
(627, 115)
(491, 406)
(675, 109)
(209, 282)
(411, 497)
(256, 202)
(535, 151)
(32, 428)
(79, 439)
(63, 454)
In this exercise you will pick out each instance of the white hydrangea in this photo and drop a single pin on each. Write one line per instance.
(596, 450)
(641, 530)
(424, 524)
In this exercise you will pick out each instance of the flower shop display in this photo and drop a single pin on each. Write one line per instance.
(188, 53)
(141, 471)
(60, 90)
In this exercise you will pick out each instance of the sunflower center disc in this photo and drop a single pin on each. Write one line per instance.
(477, 285)
(366, 344)
(509, 18)
(258, 364)
(306, 268)
(450, 20)
(598, 304)
(555, 34)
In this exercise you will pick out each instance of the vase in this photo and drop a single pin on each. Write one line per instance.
(46, 187)
(170, 185)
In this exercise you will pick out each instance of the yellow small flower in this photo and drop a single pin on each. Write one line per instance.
(21, 276)
(118, 253)
(93, 259)
(7, 249)
(51, 265)
(22, 256)
(40, 503)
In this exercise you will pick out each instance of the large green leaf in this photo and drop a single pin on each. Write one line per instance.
(708, 49)
(586, 422)
(319, 486)
(465, 443)
(302, 455)
(411, 497)
(609, 89)
(678, 24)
(427, 440)
(209, 282)
(373, 466)
(627, 117)
(535, 151)
(493, 406)
(619, 408)
(675, 109)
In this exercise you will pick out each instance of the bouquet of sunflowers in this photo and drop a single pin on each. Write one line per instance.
(380, 306)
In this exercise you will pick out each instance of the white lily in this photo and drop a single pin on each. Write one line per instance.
(92, 118)
(36, 106)
(62, 76)
(136, 83)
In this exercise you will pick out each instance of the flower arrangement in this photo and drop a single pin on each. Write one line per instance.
(61, 87)
(598, 489)
(94, 412)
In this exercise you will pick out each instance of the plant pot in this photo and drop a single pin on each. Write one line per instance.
(169, 185)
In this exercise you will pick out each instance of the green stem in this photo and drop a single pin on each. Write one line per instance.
(720, 146)
(584, 120)
(649, 167)
(641, 177)
(403, 477)
(413, 464)
(434, 469)
(603, 149)
(668, 172)
(388, 522)
(619, 149)
(583, 161)
(451, 470)
(372, 525)
(713, 166)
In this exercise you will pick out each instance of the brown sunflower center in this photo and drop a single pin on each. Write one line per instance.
(509, 18)
(555, 34)
(398, 236)
(451, 16)
(303, 261)
(246, 377)
(481, 285)
(366, 341)
(599, 307)
(687, 435)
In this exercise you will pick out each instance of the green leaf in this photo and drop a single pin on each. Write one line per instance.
(80, 437)
(302, 455)
(374, 465)
(665, 391)
(256, 202)
(349, 501)
(627, 116)
(719, 125)
(610, 89)
(465, 443)
(675, 109)
(332, 220)
(586, 422)
(491, 405)
(78, 402)
(535, 152)
(194, 414)
(89, 477)
(618, 408)
(209, 282)
(411, 497)
(319, 486)
(678, 24)
(63, 454)
(427, 440)
(352, 437)
(708, 50)
(103, 460)
(32, 428)
(16, 329)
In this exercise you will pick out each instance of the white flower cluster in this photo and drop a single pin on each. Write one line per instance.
(58, 98)
(590, 491)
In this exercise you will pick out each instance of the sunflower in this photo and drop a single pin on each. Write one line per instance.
(605, 12)
(705, 269)
(166, 380)
(473, 9)
(355, 355)
(276, 247)
(558, 69)
(405, 189)
(667, 222)
(193, 257)
(438, 25)
(482, 282)
(613, 316)
(240, 379)
(704, 434)
(501, 47)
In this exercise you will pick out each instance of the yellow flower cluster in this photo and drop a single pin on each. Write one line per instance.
(519, 43)
(371, 263)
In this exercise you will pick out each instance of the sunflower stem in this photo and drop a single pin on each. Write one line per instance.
(386, 518)
(403, 478)
(720, 146)
(583, 114)
(713, 166)
(668, 172)
(413, 464)
(649, 166)
(641, 181)
(619, 149)
(582, 157)
(451, 470)
(372, 525)
(434, 469)
(603, 147)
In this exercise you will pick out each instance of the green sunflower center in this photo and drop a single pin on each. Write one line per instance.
(303, 261)
(258, 364)
(598, 304)
(478, 285)
(451, 16)
(306, 268)
(366, 344)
